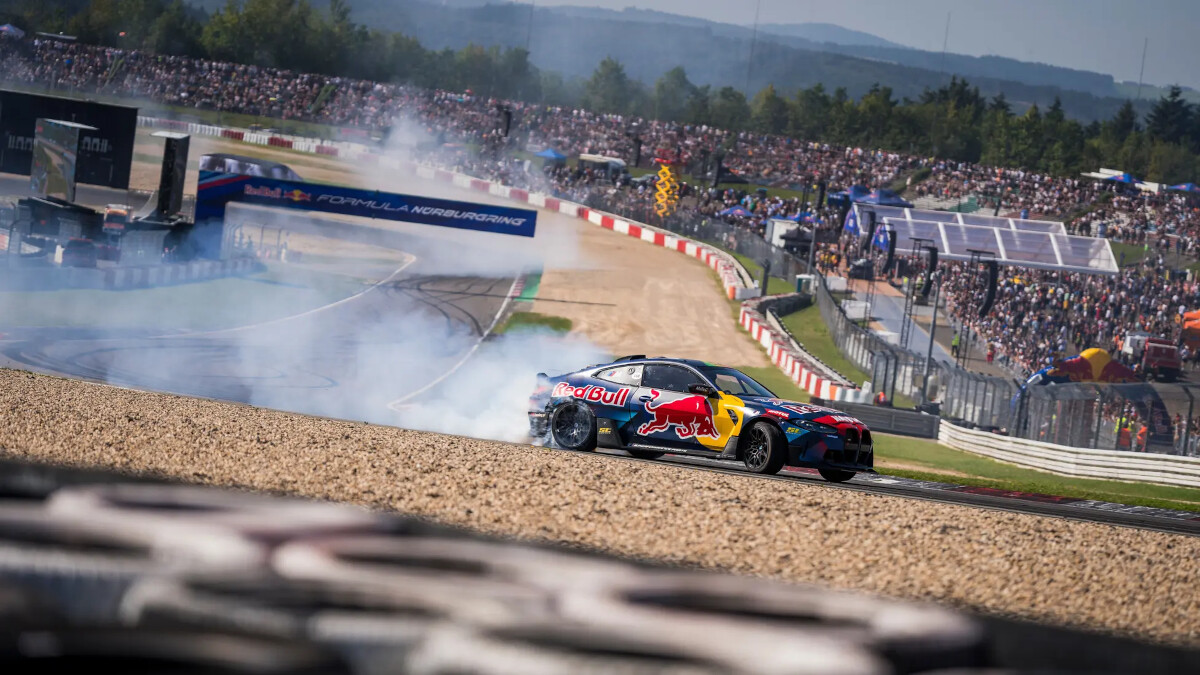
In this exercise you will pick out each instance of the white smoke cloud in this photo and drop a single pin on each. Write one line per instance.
(489, 396)
(351, 360)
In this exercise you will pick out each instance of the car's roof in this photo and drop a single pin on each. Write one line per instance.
(694, 363)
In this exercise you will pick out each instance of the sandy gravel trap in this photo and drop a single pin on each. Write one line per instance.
(1119, 580)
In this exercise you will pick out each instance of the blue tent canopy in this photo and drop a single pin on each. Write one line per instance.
(804, 217)
(552, 154)
(9, 29)
(861, 195)
(1185, 187)
(736, 211)
(1124, 178)
(883, 197)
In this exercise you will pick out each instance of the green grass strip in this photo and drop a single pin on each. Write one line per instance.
(533, 321)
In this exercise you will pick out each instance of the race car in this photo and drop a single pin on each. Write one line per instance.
(655, 406)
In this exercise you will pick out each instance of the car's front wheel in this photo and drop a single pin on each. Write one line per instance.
(573, 427)
(835, 475)
(766, 449)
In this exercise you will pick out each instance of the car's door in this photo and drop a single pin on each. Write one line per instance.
(624, 377)
(666, 414)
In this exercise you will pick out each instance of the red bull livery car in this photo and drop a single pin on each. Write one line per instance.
(652, 407)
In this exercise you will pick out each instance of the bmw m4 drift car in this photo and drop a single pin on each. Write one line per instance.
(651, 407)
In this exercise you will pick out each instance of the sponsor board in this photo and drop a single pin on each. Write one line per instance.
(217, 189)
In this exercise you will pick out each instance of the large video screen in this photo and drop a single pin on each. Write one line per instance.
(54, 160)
(105, 155)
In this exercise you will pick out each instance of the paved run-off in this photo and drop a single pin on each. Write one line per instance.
(1121, 580)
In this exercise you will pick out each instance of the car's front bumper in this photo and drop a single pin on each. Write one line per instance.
(819, 451)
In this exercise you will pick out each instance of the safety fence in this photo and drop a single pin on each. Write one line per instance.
(1081, 462)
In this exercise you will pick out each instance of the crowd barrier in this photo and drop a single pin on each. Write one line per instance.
(1076, 462)
(735, 279)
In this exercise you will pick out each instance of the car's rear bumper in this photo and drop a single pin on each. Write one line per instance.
(539, 424)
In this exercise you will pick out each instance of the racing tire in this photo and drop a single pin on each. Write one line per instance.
(765, 451)
(646, 454)
(573, 427)
(836, 475)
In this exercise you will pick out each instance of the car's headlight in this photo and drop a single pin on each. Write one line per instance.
(809, 425)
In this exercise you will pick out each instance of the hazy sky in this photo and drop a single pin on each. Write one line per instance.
(1104, 36)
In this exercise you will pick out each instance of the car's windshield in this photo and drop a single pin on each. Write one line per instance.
(735, 382)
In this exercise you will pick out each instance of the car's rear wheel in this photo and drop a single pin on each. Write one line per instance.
(835, 475)
(573, 427)
(646, 454)
(765, 450)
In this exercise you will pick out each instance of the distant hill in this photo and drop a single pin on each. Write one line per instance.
(828, 33)
(573, 40)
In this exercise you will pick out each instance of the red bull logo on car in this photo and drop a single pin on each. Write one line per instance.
(592, 394)
(690, 415)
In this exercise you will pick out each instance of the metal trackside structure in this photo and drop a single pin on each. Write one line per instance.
(1032, 244)
(216, 190)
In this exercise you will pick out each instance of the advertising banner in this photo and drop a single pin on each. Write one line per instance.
(218, 189)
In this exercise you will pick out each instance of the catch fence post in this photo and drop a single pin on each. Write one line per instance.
(1187, 429)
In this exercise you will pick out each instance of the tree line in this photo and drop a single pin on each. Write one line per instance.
(953, 121)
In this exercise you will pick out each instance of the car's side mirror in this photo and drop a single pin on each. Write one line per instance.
(703, 389)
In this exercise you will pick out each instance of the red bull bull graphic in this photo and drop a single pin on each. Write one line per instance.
(592, 394)
(689, 414)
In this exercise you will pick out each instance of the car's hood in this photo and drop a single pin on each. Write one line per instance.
(804, 411)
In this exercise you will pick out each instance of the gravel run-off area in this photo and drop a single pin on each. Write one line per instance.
(1113, 579)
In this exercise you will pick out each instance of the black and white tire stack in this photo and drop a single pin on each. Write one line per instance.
(160, 578)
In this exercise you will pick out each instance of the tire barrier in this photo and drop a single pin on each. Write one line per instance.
(82, 571)
(911, 638)
(173, 578)
(551, 649)
(258, 517)
(162, 652)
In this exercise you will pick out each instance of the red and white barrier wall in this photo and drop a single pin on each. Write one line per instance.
(724, 264)
(800, 372)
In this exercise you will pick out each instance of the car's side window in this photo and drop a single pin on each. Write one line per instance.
(628, 375)
(671, 378)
